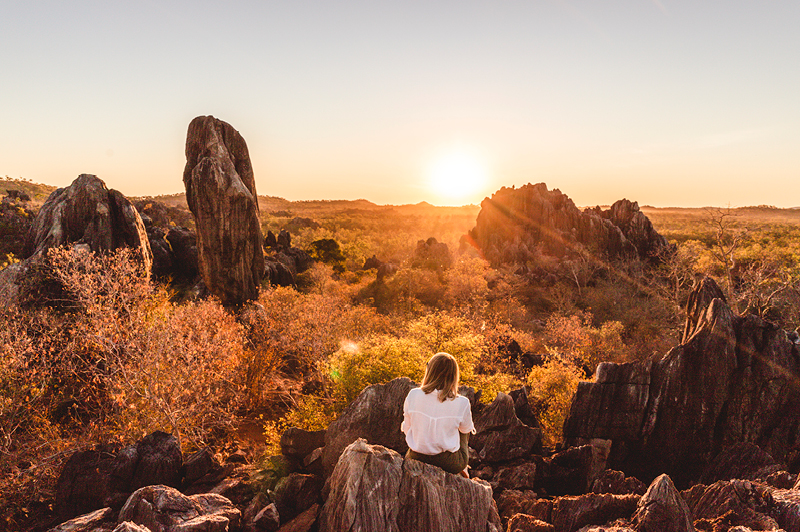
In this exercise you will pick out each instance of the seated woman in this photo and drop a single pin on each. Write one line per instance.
(437, 421)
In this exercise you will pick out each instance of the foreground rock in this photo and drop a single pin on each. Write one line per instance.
(514, 223)
(165, 509)
(86, 212)
(733, 379)
(662, 509)
(221, 193)
(373, 489)
(100, 477)
(375, 415)
(500, 435)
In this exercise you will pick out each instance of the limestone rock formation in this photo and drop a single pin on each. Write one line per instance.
(87, 522)
(572, 513)
(734, 503)
(164, 509)
(662, 509)
(514, 224)
(221, 193)
(433, 255)
(733, 379)
(500, 435)
(100, 477)
(373, 489)
(375, 415)
(86, 212)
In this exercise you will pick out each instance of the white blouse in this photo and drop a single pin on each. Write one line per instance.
(432, 426)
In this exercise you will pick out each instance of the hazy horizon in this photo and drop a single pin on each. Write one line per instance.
(665, 103)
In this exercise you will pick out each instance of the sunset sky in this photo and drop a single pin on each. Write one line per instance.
(668, 103)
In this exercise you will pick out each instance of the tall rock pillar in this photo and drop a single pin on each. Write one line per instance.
(221, 192)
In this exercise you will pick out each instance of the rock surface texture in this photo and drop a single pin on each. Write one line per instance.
(99, 477)
(221, 192)
(514, 223)
(375, 415)
(165, 509)
(86, 212)
(733, 379)
(662, 509)
(373, 489)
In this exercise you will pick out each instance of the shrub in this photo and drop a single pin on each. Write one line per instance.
(552, 387)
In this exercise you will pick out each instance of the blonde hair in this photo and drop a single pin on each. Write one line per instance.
(442, 374)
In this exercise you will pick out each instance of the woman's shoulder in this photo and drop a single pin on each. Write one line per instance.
(414, 392)
(463, 400)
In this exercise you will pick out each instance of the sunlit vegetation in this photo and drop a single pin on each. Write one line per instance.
(101, 353)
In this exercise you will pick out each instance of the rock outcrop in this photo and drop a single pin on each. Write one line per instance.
(87, 213)
(515, 224)
(100, 477)
(500, 435)
(662, 509)
(375, 415)
(733, 379)
(373, 489)
(164, 509)
(221, 192)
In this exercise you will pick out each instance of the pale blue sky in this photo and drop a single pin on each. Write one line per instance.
(689, 102)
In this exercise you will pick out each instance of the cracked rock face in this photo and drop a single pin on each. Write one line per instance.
(514, 224)
(373, 489)
(733, 379)
(221, 193)
(87, 213)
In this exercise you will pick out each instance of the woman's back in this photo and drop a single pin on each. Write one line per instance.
(432, 426)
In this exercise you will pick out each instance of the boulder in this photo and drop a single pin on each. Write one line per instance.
(515, 224)
(87, 522)
(375, 415)
(571, 513)
(266, 520)
(733, 503)
(221, 193)
(787, 508)
(304, 522)
(198, 465)
(102, 476)
(165, 509)
(781, 480)
(662, 509)
(570, 472)
(297, 493)
(511, 502)
(500, 435)
(86, 212)
(616, 482)
(373, 489)
(522, 407)
(237, 490)
(733, 379)
(183, 246)
(743, 460)
(84, 484)
(528, 523)
(155, 459)
(298, 443)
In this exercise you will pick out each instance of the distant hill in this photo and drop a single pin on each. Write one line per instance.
(37, 191)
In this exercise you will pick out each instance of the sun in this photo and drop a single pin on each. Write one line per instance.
(457, 176)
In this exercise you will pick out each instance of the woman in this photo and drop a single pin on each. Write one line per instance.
(437, 421)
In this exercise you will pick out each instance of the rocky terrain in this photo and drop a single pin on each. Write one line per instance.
(517, 223)
(705, 437)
